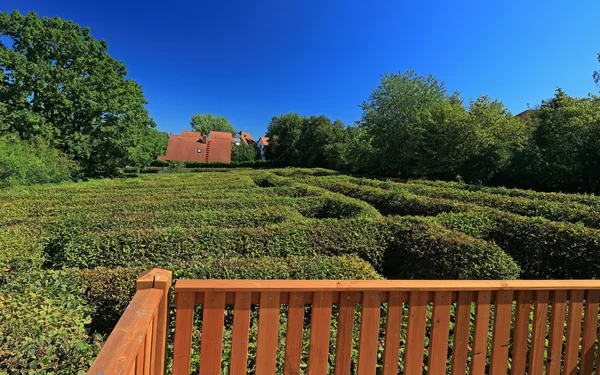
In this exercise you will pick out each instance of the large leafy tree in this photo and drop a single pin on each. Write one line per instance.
(284, 134)
(244, 152)
(564, 150)
(58, 82)
(205, 123)
(395, 118)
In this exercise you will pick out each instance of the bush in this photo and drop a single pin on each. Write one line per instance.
(42, 325)
(372, 240)
(35, 162)
(544, 249)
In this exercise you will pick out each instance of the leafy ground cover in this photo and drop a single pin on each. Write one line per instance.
(69, 253)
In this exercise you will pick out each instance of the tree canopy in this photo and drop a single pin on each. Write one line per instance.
(60, 83)
(205, 123)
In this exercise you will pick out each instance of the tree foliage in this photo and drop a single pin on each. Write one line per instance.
(59, 83)
(244, 152)
(205, 123)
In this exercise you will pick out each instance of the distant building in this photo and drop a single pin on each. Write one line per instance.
(243, 137)
(192, 146)
(523, 115)
(262, 143)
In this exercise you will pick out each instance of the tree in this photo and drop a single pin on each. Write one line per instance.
(152, 143)
(395, 119)
(60, 83)
(244, 152)
(563, 153)
(284, 134)
(205, 123)
(319, 144)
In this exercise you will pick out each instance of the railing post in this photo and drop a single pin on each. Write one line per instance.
(160, 279)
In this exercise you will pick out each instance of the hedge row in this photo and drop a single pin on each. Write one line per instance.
(589, 199)
(557, 210)
(243, 164)
(402, 248)
(53, 321)
(543, 249)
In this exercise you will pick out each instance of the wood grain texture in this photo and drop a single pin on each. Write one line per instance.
(320, 324)
(381, 285)
(184, 320)
(268, 333)
(368, 342)
(293, 335)
(590, 325)
(557, 328)
(501, 333)
(240, 334)
(440, 330)
(538, 337)
(415, 336)
(460, 347)
(211, 345)
(345, 332)
(480, 332)
(573, 332)
(393, 327)
(521, 332)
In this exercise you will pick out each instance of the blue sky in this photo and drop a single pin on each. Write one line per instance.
(252, 60)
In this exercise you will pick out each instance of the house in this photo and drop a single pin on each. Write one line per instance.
(192, 146)
(262, 143)
(243, 137)
(523, 115)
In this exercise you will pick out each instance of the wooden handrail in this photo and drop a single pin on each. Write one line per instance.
(464, 326)
(380, 285)
(137, 344)
(119, 355)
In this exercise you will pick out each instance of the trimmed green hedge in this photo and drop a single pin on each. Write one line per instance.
(43, 318)
(551, 209)
(544, 249)
(376, 241)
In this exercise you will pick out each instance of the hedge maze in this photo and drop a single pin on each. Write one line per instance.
(70, 253)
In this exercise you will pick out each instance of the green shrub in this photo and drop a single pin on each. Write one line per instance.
(372, 240)
(42, 325)
(35, 162)
(544, 249)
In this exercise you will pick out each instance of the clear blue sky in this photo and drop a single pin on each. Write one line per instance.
(252, 60)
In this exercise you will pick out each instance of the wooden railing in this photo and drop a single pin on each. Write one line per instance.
(137, 344)
(437, 327)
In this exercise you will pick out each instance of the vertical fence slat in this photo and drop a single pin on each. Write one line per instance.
(211, 346)
(460, 345)
(440, 330)
(369, 333)
(320, 325)
(345, 331)
(573, 332)
(501, 333)
(557, 327)
(590, 324)
(293, 335)
(538, 338)
(141, 359)
(480, 332)
(149, 349)
(393, 327)
(241, 331)
(162, 280)
(184, 320)
(268, 333)
(415, 336)
(521, 332)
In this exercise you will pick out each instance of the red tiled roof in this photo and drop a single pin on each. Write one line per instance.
(247, 136)
(187, 133)
(186, 147)
(221, 135)
(265, 140)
